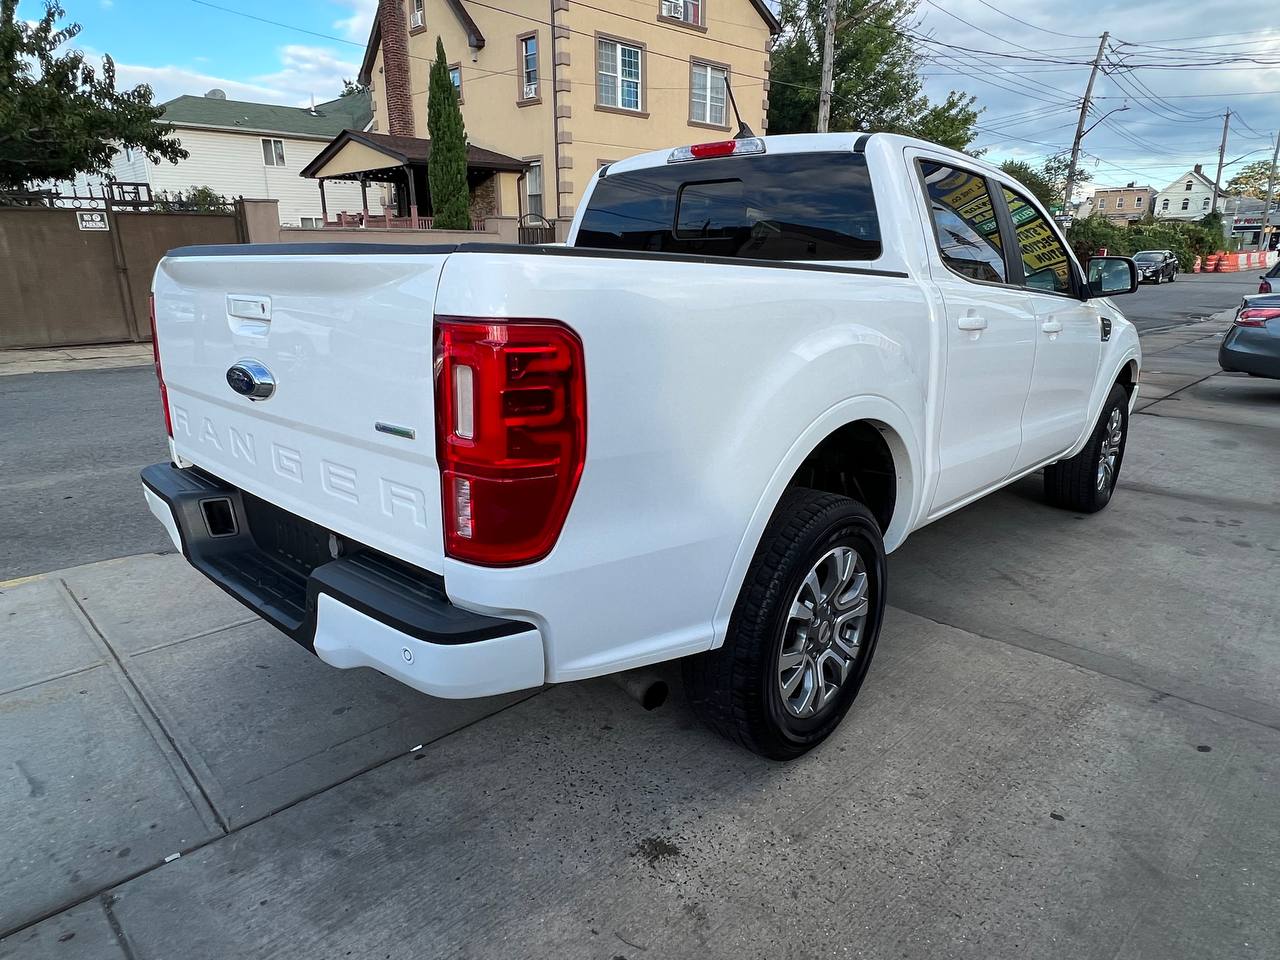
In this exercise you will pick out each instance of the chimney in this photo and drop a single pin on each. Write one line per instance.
(395, 67)
(1199, 169)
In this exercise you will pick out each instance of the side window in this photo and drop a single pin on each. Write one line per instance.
(964, 221)
(1045, 262)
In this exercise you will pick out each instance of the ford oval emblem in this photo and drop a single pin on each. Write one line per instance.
(251, 379)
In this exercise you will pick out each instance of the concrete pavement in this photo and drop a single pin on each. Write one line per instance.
(1069, 745)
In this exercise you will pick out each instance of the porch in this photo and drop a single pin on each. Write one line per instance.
(397, 166)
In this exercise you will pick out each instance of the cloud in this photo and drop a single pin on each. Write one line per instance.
(1032, 107)
(357, 24)
(307, 71)
(171, 81)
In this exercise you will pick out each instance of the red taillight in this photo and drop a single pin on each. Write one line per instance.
(1264, 286)
(155, 352)
(511, 435)
(1256, 316)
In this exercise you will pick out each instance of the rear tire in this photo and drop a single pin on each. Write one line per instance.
(1086, 482)
(803, 630)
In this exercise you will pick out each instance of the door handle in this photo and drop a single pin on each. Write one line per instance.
(1051, 325)
(972, 323)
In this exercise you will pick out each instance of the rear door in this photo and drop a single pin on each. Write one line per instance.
(1068, 336)
(346, 438)
(988, 332)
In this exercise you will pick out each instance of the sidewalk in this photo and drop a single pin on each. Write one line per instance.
(98, 357)
(1068, 745)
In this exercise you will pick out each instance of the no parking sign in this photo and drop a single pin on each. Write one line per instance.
(91, 220)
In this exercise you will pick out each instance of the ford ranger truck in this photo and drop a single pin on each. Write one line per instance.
(693, 432)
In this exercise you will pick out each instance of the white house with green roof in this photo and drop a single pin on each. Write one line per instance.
(254, 150)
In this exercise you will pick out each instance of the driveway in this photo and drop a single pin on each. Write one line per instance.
(1068, 746)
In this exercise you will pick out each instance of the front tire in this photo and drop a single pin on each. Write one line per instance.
(803, 630)
(1085, 482)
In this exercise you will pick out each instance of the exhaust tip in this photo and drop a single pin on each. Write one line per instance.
(645, 688)
(655, 695)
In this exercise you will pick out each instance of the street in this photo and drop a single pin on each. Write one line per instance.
(1068, 744)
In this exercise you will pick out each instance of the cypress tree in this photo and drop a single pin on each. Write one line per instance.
(447, 168)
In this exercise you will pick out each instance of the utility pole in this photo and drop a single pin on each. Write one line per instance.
(1271, 189)
(828, 56)
(1222, 154)
(1084, 112)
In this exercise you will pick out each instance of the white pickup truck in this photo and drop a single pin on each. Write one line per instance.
(692, 432)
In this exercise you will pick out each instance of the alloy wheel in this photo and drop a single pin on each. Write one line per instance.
(1112, 440)
(823, 633)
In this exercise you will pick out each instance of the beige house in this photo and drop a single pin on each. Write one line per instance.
(567, 85)
(1122, 204)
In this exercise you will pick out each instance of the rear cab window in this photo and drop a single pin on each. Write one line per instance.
(777, 207)
(964, 222)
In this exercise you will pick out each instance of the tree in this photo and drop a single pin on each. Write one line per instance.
(1251, 180)
(1047, 181)
(876, 75)
(447, 166)
(352, 86)
(58, 115)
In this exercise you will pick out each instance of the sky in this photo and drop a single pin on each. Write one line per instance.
(1177, 67)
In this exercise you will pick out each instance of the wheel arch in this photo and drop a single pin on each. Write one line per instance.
(871, 425)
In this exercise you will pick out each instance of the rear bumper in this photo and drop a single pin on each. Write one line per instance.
(360, 610)
(1247, 350)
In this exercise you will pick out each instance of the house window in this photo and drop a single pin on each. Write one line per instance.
(455, 77)
(1102, 203)
(311, 223)
(685, 11)
(418, 18)
(1119, 203)
(707, 84)
(128, 154)
(533, 187)
(1137, 201)
(528, 67)
(1164, 204)
(273, 153)
(1188, 185)
(1186, 204)
(618, 67)
(1204, 205)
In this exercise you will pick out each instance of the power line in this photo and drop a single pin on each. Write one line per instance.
(1025, 23)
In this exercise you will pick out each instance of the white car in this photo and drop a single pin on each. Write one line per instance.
(693, 432)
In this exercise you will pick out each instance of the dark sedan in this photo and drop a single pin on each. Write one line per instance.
(1156, 266)
(1252, 345)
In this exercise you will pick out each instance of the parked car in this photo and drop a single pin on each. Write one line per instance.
(1156, 266)
(692, 432)
(1265, 286)
(1252, 345)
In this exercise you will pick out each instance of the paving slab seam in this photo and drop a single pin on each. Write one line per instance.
(108, 900)
(53, 676)
(1173, 393)
(1055, 649)
(1199, 499)
(203, 634)
(151, 719)
(106, 892)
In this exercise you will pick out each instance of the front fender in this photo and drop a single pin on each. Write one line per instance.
(1123, 348)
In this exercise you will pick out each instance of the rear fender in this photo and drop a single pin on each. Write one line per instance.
(894, 426)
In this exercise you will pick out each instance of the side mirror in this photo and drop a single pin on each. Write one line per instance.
(1112, 276)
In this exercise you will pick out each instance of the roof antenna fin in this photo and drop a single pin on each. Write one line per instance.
(744, 131)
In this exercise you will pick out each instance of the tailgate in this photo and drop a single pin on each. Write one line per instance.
(346, 438)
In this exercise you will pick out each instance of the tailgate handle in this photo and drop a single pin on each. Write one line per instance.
(248, 307)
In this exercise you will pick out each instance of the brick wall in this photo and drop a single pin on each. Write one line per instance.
(484, 200)
(395, 68)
